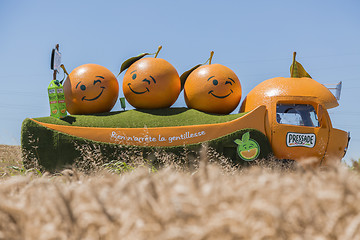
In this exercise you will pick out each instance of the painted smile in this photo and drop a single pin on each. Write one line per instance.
(92, 99)
(147, 90)
(212, 93)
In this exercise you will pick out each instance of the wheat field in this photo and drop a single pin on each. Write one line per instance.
(210, 201)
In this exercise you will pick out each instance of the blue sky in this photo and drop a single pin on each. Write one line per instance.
(253, 38)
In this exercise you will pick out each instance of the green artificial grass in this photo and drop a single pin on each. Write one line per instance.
(52, 150)
(168, 117)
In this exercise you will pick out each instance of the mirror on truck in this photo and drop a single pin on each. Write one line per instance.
(297, 114)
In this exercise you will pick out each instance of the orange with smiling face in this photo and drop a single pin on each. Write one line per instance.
(151, 83)
(212, 88)
(90, 88)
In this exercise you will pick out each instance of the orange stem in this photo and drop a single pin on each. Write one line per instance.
(211, 56)
(159, 48)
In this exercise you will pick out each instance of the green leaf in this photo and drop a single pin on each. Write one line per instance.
(297, 70)
(245, 137)
(130, 61)
(186, 74)
(238, 141)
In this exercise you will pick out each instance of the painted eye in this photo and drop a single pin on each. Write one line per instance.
(228, 82)
(134, 76)
(83, 87)
(97, 81)
(145, 80)
(215, 82)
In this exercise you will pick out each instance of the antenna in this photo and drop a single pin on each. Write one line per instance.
(337, 88)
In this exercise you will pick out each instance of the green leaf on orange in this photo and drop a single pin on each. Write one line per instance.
(297, 70)
(130, 61)
(186, 74)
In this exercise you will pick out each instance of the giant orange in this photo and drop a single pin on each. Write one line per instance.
(273, 88)
(151, 83)
(90, 88)
(212, 88)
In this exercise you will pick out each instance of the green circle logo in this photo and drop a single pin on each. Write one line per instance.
(247, 149)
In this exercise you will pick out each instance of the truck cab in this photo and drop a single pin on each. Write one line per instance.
(297, 123)
(300, 128)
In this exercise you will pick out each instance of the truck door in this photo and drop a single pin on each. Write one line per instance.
(297, 130)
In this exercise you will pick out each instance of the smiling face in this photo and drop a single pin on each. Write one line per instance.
(83, 88)
(151, 83)
(144, 83)
(212, 88)
(248, 149)
(90, 88)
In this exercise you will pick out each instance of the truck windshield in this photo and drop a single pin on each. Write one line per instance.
(297, 114)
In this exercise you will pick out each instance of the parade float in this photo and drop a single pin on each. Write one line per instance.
(282, 117)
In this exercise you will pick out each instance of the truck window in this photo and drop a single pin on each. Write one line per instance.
(297, 114)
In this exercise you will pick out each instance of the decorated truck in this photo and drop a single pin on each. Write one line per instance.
(285, 118)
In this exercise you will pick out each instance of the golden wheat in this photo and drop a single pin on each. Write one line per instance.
(208, 203)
